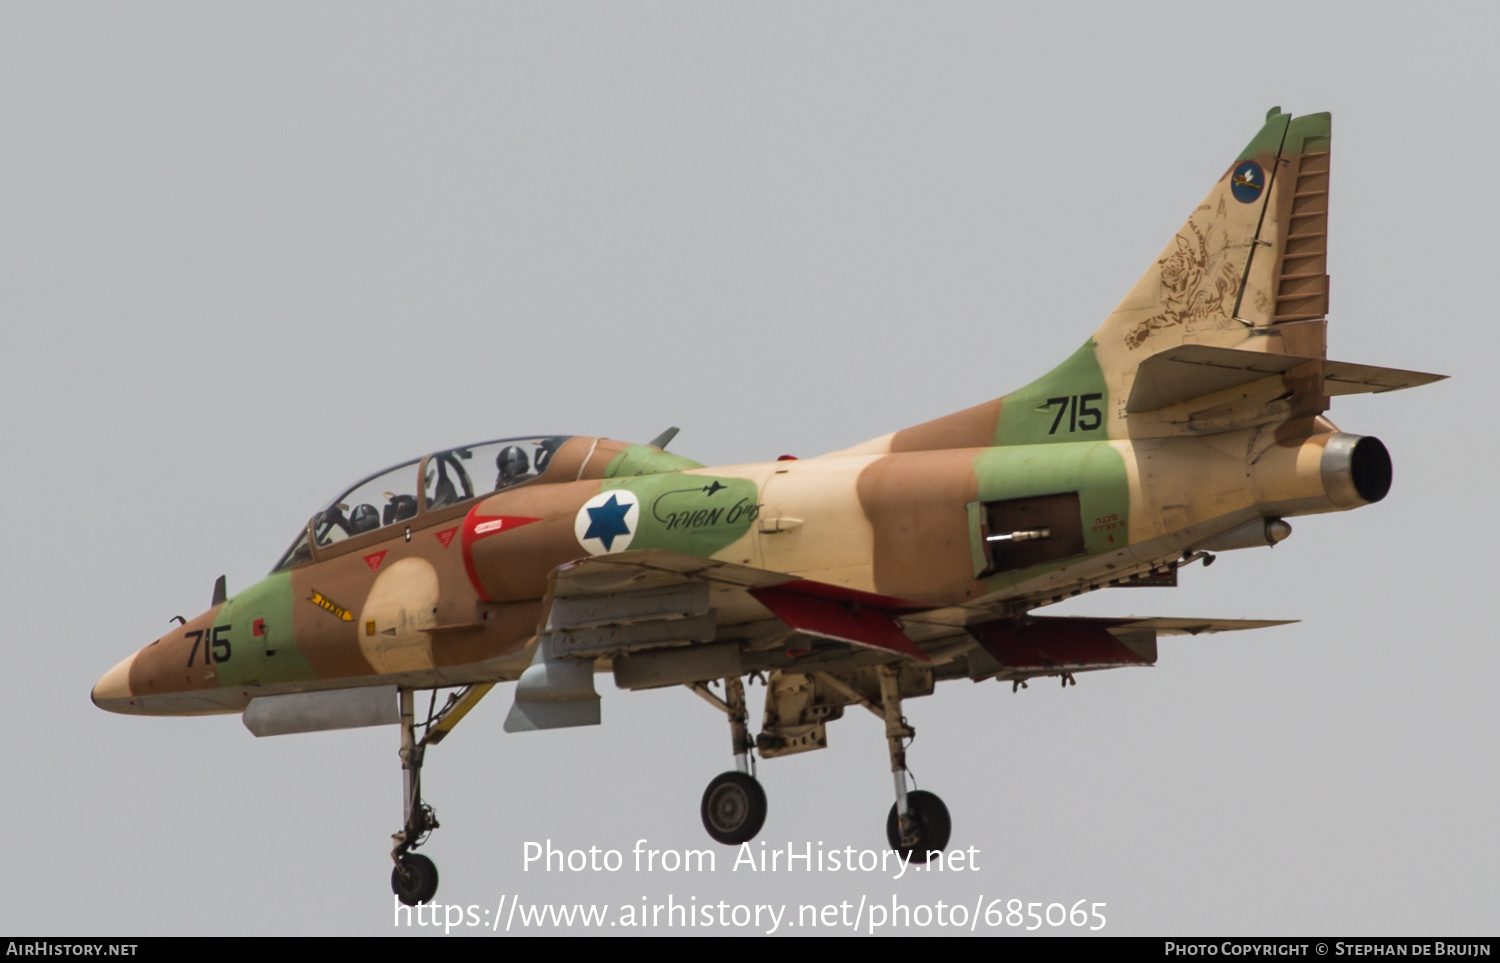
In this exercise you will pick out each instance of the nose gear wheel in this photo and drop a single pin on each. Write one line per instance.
(414, 879)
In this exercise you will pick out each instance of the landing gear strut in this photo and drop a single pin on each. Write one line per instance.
(415, 877)
(734, 804)
(918, 824)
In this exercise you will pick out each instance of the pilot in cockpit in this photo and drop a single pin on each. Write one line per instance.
(514, 466)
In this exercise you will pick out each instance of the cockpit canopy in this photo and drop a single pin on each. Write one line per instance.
(422, 485)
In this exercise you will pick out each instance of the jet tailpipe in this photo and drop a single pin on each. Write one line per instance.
(1356, 470)
(1328, 472)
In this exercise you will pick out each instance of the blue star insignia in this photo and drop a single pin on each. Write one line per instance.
(608, 521)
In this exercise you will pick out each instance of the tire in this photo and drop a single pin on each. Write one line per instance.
(932, 824)
(734, 808)
(415, 879)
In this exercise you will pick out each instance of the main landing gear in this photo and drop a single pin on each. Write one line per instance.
(734, 804)
(918, 824)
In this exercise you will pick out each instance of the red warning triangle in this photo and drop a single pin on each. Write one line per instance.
(375, 558)
(446, 535)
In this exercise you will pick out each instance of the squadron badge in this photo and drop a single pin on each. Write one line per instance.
(1248, 182)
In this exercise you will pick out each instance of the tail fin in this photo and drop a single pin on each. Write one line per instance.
(1239, 294)
(1252, 255)
(1237, 297)
(1226, 329)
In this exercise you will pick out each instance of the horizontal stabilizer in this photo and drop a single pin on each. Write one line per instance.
(1343, 378)
(1193, 370)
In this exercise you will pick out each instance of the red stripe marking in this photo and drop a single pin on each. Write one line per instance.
(854, 623)
(1055, 643)
(478, 527)
(838, 593)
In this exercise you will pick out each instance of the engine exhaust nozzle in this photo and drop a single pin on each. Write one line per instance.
(1356, 470)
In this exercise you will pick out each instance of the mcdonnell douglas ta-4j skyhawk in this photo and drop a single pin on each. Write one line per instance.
(1191, 422)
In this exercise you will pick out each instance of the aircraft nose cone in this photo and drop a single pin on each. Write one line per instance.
(112, 692)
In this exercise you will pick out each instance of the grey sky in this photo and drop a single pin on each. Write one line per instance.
(250, 254)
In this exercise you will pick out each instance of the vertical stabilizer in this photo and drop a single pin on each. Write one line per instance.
(1226, 329)
(1194, 285)
(1245, 277)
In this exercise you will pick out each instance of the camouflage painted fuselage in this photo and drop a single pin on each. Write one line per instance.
(1194, 410)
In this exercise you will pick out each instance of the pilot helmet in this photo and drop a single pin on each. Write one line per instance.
(512, 462)
(364, 518)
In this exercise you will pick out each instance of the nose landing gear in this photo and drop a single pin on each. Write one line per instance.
(414, 878)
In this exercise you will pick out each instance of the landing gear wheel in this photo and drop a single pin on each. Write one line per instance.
(930, 824)
(414, 879)
(734, 808)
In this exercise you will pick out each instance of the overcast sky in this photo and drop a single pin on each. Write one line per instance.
(251, 253)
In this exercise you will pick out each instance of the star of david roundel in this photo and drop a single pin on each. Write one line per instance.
(608, 522)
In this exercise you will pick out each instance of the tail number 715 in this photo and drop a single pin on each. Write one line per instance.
(1083, 414)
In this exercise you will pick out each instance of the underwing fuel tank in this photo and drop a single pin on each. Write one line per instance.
(1328, 472)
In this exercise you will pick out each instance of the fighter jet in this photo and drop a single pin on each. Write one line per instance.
(1192, 421)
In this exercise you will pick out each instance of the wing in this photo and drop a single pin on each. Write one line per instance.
(658, 618)
(1064, 645)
